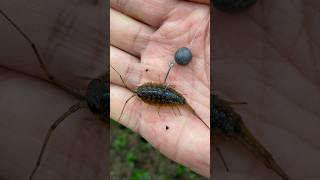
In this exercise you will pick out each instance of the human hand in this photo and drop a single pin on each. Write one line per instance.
(140, 51)
(266, 57)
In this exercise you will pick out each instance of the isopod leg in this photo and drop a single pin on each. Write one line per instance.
(236, 103)
(71, 110)
(124, 106)
(194, 112)
(179, 111)
(159, 112)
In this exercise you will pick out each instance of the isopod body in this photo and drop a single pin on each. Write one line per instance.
(97, 96)
(158, 94)
(225, 120)
(155, 93)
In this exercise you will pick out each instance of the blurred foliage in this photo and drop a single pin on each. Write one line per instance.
(134, 158)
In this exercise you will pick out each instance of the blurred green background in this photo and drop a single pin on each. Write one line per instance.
(134, 158)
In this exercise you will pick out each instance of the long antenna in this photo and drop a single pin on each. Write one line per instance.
(120, 77)
(39, 58)
(222, 158)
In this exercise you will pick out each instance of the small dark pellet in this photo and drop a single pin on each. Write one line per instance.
(167, 127)
(183, 56)
(233, 5)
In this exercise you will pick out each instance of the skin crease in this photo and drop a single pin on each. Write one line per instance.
(145, 35)
(29, 105)
(268, 57)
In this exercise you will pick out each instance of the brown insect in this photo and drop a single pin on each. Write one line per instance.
(158, 94)
(227, 123)
(96, 98)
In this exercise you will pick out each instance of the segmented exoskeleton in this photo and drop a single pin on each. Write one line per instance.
(157, 94)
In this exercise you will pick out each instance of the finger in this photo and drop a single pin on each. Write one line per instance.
(151, 12)
(125, 69)
(120, 104)
(131, 71)
(128, 34)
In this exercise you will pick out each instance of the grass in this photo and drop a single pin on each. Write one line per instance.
(134, 158)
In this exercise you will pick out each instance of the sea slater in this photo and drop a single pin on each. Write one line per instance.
(225, 120)
(157, 94)
(233, 5)
(97, 96)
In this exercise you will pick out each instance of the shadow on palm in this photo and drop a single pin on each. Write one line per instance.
(261, 64)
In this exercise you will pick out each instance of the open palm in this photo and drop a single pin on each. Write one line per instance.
(272, 64)
(144, 38)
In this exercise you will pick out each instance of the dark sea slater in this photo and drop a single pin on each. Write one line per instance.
(233, 5)
(225, 120)
(157, 94)
(227, 123)
(97, 96)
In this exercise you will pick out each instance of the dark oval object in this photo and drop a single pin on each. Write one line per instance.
(154, 93)
(183, 56)
(233, 5)
(97, 96)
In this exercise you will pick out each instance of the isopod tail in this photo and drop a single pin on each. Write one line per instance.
(254, 146)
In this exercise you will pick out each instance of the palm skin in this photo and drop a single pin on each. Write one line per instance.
(30, 103)
(266, 57)
(174, 131)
